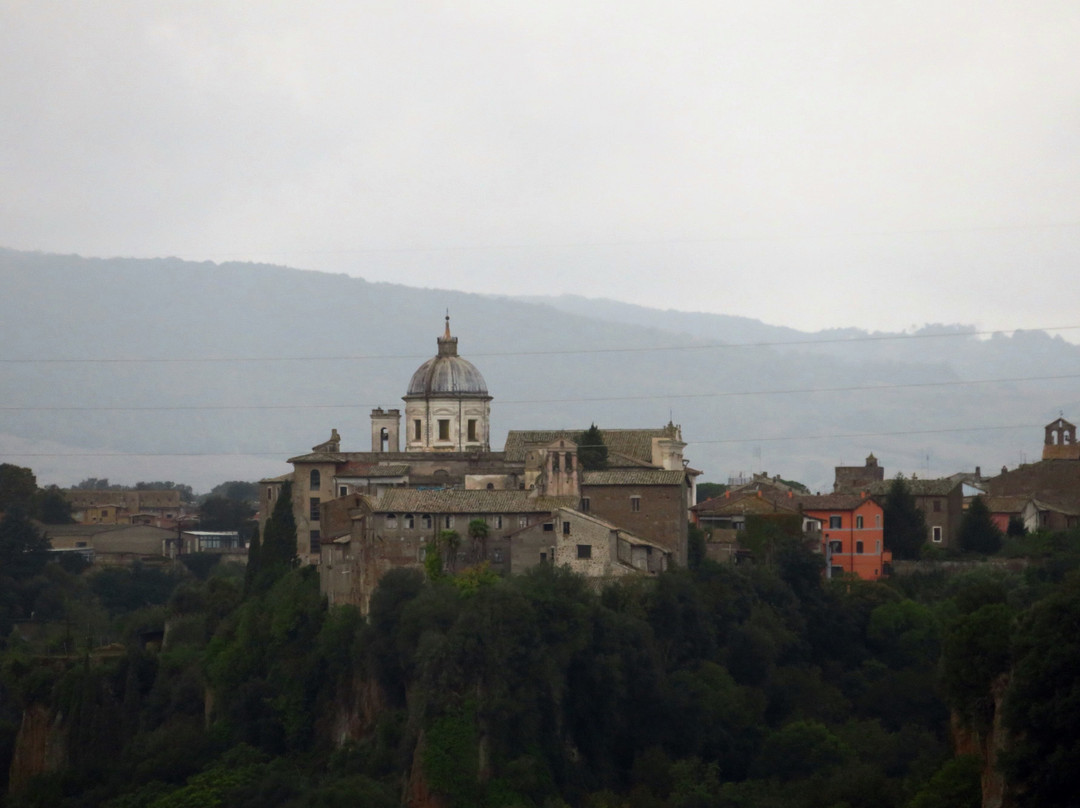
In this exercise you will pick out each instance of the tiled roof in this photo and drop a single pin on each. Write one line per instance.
(318, 457)
(747, 501)
(354, 469)
(831, 502)
(918, 488)
(634, 477)
(1006, 504)
(407, 500)
(634, 443)
(283, 478)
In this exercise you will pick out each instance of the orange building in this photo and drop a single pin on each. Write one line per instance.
(852, 534)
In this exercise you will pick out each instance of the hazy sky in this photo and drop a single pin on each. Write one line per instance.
(814, 164)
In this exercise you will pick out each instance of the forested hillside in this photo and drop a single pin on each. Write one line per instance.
(199, 372)
(727, 686)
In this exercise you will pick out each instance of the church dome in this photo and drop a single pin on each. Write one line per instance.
(447, 374)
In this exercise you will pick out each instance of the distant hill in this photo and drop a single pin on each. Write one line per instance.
(224, 370)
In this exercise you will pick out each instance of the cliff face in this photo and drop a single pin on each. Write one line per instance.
(988, 747)
(40, 747)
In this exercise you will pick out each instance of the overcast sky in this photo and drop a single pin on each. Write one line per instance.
(813, 164)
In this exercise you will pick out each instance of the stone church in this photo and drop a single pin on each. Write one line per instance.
(361, 513)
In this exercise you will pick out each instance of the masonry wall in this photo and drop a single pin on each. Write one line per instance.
(661, 516)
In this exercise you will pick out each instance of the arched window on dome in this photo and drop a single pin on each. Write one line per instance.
(316, 480)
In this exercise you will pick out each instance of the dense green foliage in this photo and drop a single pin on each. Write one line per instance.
(718, 685)
(592, 451)
(978, 533)
(905, 525)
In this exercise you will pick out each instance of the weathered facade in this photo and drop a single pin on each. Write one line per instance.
(360, 514)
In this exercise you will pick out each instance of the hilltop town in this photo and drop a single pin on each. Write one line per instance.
(604, 503)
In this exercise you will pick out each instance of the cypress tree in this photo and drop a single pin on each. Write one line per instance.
(978, 533)
(592, 453)
(905, 525)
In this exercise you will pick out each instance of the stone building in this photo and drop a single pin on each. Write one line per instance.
(151, 507)
(359, 514)
(1051, 487)
(941, 501)
(852, 479)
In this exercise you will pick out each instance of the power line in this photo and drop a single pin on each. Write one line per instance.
(553, 352)
(287, 453)
(583, 399)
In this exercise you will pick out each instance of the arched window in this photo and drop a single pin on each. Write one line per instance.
(316, 479)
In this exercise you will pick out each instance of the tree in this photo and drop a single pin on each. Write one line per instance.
(905, 525)
(52, 507)
(220, 513)
(978, 533)
(1041, 708)
(23, 550)
(1016, 528)
(451, 540)
(592, 451)
(279, 536)
(238, 490)
(17, 487)
(709, 490)
(478, 532)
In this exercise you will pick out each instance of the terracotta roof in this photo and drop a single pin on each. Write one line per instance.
(747, 501)
(283, 478)
(318, 457)
(831, 502)
(634, 477)
(1006, 504)
(407, 500)
(634, 443)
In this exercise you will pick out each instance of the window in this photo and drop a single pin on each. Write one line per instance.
(425, 520)
(416, 429)
(343, 491)
(498, 522)
(444, 429)
(410, 522)
(837, 572)
(543, 558)
(879, 546)
(937, 506)
(496, 556)
(858, 522)
(448, 522)
(937, 533)
(584, 551)
(315, 480)
(316, 541)
(523, 521)
(858, 548)
(549, 527)
(877, 520)
(835, 522)
(635, 504)
(472, 429)
(836, 547)
(584, 504)
(391, 521)
(566, 528)
(269, 493)
(555, 461)
(313, 509)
